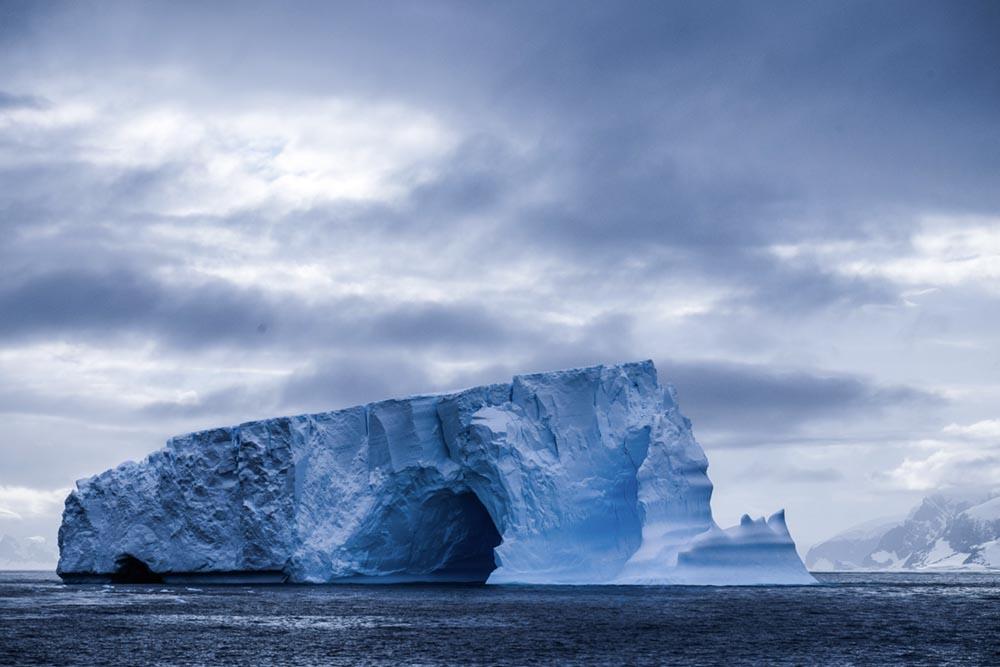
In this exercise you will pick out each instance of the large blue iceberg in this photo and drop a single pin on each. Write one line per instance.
(582, 476)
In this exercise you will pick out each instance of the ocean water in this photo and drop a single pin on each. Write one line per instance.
(852, 619)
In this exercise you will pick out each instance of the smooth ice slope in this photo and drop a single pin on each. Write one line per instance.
(755, 552)
(581, 476)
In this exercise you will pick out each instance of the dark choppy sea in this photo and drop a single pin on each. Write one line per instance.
(851, 620)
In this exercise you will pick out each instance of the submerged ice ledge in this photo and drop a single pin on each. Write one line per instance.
(582, 476)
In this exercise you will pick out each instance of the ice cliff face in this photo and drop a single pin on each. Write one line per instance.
(944, 532)
(580, 476)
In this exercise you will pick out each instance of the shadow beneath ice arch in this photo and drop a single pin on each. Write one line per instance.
(131, 570)
(446, 536)
(460, 525)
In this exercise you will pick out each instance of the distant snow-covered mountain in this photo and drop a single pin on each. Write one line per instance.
(29, 553)
(943, 533)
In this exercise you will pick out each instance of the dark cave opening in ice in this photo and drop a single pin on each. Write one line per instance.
(446, 535)
(468, 535)
(131, 570)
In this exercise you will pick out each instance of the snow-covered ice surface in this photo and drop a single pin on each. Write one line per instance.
(582, 476)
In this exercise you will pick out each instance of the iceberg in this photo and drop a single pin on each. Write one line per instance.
(582, 476)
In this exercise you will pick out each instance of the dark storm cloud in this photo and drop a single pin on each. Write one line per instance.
(73, 303)
(728, 141)
(705, 130)
(341, 382)
(438, 324)
(89, 305)
(474, 178)
(14, 101)
(776, 287)
(691, 136)
(758, 405)
(710, 130)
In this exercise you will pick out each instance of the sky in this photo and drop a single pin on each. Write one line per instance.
(218, 212)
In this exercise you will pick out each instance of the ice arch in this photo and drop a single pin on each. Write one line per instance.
(444, 536)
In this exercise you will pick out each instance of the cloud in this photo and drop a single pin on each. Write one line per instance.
(966, 456)
(988, 429)
(215, 404)
(943, 251)
(345, 382)
(663, 181)
(91, 304)
(71, 303)
(12, 101)
(791, 474)
(290, 154)
(20, 502)
(754, 405)
(951, 467)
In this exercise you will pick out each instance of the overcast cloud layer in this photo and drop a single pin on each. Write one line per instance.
(210, 214)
